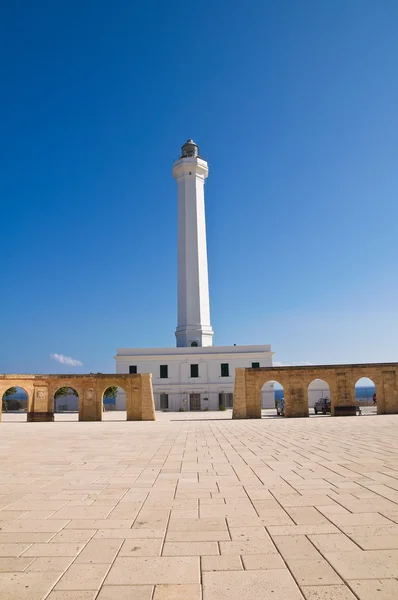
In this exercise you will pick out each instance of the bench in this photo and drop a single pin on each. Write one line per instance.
(346, 411)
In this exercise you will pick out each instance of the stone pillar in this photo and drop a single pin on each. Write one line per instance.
(288, 410)
(41, 408)
(90, 404)
(253, 395)
(297, 396)
(381, 400)
(390, 391)
(344, 393)
(239, 410)
(148, 404)
(140, 405)
(134, 400)
(2, 390)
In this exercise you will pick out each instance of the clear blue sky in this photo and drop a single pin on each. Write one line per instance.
(294, 104)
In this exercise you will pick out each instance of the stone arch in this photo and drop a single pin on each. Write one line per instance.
(15, 398)
(256, 379)
(365, 389)
(131, 390)
(57, 383)
(318, 389)
(110, 395)
(66, 399)
(272, 394)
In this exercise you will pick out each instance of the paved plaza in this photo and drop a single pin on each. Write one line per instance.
(197, 506)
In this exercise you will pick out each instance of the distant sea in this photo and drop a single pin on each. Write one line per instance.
(361, 393)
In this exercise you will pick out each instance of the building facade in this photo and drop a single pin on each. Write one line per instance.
(193, 378)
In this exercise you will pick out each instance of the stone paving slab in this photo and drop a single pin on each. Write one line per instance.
(199, 507)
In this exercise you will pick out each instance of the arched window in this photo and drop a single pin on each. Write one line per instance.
(194, 344)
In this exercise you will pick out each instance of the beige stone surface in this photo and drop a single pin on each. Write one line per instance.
(54, 550)
(26, 586)
(178, 592)
(25, 538)
(127, 534)
(154, 570)
(248, 533)
(99, 551)
(72, 595)
(337, 542)
(49, 563)
(376, 542)
(371, 564)
(254, 546)
(295, 547)
(126, 592)
(100, 524)
(83, 577)
(376, 589)
(198, 536)
(203, 524)
(10, 565)
(323, 528)
(13, 549)
(73, 536)
(262, 561)
(141, 547)
(328, 592)
(250, 585)
(313, 572)
(138, 511)
(221, 563)
(190, 549)
(35, 526)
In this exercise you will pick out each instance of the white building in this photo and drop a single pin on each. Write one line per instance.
(193, 378)
(195, 375)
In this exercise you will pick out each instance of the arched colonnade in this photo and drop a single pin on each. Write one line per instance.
(90, 389)
(341, 380)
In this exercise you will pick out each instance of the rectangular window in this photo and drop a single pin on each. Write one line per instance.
(164, 401)
(255, 365)
(164, 372)
(224, 370)
(133, 369)
(194, 370)
(226, 400)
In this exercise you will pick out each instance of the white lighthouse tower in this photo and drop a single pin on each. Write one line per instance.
(196, 375)
(193, 328)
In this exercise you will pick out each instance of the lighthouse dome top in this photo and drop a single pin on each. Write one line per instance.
(189, 150)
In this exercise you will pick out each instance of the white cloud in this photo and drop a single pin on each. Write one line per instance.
(301, 363)
(66, 360)
(305, 363)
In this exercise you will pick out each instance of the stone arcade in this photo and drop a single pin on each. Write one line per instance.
(295, 381)
(41, 389)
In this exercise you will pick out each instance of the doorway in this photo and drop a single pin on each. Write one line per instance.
(194, 401)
